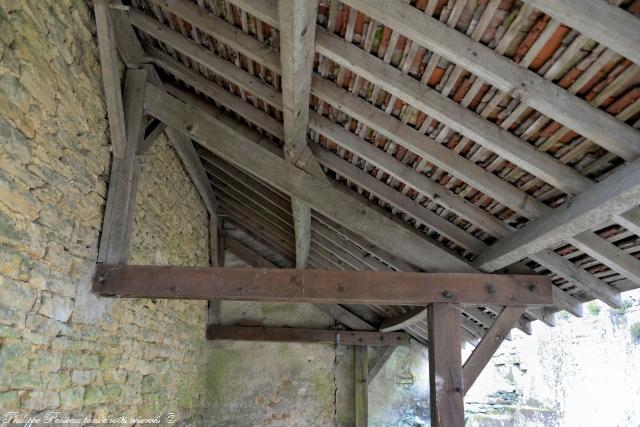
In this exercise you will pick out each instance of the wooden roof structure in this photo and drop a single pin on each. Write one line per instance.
(402, 135)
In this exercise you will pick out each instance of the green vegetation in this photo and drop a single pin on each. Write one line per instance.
(564, 315)
(593, 308)
(624, 307)
(635, 331)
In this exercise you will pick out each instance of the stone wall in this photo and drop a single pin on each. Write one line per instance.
(61, 348)
(278, 384)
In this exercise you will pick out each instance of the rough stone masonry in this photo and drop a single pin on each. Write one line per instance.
(61, 348)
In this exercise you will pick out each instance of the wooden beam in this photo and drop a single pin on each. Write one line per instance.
(489, 344)
(247, 254)
(366, 113)
(123, 182)
(205, 58)
(153, 132)
(416, 315)
(456, 116)
(264, 10)
(446, 389)
(630, 220)
(316, 286)
(238, 145)
(524, 84)
(225, 32)
(300, 335)
(376, 367)
(611, 196)
(361, 369)
(337, 312)
(398, 200)
(110, 77)
(601, 21)
(297, 37)
(214, 91)
(578, 277)
(608, 254)
(193, 165)
(127, 42)
(392, 260)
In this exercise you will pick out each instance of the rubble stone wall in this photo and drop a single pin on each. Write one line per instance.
(62, 348)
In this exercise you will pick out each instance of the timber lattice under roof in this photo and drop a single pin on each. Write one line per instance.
(500, 116)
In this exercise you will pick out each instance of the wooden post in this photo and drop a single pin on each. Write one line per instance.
(445, 366)
(361, 384)
(123, 182)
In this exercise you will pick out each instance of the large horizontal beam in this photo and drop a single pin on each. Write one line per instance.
(238, 145)
(254, 259)
(506, 75)
(318, 286)
(300, 335)
(612, 196)
(603, 22)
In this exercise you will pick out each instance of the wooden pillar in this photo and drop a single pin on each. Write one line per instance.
(361, 384)
(445, 366)
(125, 170)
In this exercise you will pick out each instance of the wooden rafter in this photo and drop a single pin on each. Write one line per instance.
(507, 76)
(450, 112)
(614, 195)
(600, 20)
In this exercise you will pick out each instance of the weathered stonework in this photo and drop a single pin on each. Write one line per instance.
(62, 348)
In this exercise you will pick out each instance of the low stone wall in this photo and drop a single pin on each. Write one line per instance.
(61, 348)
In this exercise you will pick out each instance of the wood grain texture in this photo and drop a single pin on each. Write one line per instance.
(320, 286)
(110, 76)
(445, 366)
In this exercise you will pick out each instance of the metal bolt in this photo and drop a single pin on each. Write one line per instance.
(532, 288)
(447, 294)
